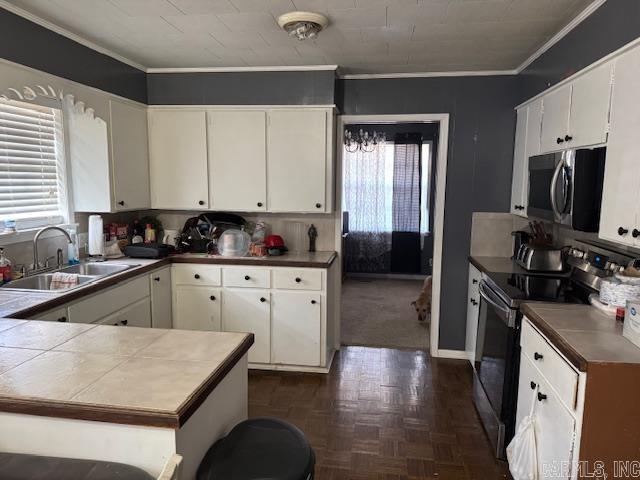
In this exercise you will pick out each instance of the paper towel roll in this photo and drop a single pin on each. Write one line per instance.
(96, 235)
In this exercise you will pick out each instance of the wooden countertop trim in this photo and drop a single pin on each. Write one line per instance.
(478, 264)
(266, 262)
(560, 343)
(124, 415)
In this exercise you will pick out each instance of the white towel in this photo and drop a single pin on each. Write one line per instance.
(61, 281)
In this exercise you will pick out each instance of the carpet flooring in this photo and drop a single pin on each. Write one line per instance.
(378, 313)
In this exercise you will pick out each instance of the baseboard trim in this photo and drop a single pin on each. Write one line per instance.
(456, 354)
(294, 368)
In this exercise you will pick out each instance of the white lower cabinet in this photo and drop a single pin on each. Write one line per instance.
(161, 298)
(555, 424)
(296, 327)
(473, 310)
(56, 315)
(137, 314)
(248, 310)
(196, 308)
(285, 308)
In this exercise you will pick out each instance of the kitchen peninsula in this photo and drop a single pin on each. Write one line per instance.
(129, 395)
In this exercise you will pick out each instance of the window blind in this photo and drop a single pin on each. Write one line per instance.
(30, 145)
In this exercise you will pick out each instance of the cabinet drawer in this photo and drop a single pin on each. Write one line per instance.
(203, 275)
(296, 279)
(107, 302)
(247, 277)
(556, 371)
(58, 315)
(135, 315)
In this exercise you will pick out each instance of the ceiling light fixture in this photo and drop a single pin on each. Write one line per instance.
(303, 25)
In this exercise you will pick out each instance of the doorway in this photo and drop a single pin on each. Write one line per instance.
(389, 182)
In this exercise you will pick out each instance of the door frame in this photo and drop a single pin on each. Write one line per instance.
(438, 225)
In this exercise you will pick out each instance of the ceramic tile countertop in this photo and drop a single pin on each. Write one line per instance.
(584, 334)
(130, 375)
(26, 304)
(496, 264)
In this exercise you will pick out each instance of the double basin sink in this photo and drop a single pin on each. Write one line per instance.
(87, 273)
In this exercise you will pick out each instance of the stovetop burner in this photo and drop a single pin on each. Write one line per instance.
(516, 288)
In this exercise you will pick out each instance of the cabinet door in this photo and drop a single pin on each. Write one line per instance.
(57, 315)
(238, 161)
(555, 119)
(534, 132)
(297, 161)
(161, 298)
(248, 310)
(520, 173)
(590, 100)
(137, 314)
(197, 308)
(473, 310)
(296, 328)
(622, 172)
(178, 159)
(554, 425)
(130, 156)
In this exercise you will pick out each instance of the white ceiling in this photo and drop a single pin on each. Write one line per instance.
(364, 36)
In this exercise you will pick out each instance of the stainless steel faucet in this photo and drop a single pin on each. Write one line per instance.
(36, 264)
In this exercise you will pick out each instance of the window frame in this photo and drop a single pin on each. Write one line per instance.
(26, 227)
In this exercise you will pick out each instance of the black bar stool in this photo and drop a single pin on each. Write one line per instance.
(260, 448)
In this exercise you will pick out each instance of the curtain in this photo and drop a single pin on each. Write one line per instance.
(368, 200)
(406, 183)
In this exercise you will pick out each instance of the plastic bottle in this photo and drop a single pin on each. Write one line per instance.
(149, 234)
(5, 267)
(72, 249)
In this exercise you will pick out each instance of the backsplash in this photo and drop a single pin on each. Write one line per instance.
(278, 224)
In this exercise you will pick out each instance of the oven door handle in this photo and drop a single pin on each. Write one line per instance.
(552, 188)
(503, 308)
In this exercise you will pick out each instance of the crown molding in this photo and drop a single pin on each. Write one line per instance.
(70, 35)
(302, 68)
(561, 34)
(471, 73)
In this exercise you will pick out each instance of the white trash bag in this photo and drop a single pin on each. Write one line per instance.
(522, 451)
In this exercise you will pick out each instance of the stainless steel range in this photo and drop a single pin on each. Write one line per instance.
(497, 357)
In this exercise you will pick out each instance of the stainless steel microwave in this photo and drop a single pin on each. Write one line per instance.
(566, 187)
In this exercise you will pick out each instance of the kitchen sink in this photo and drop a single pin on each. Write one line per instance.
(43, 282)
(87, 272)
(97, 269)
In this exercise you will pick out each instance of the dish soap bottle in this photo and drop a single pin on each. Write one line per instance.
(72, 249)
(5, 267)
(149, 234)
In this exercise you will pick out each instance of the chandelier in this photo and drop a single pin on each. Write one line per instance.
(361, 140)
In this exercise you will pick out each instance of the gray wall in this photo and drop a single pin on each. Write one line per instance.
(613, 25)
(27, 43)
(315, 87)
(481, 131)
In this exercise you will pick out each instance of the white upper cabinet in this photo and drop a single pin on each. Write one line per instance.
(577, 114)
(527, 144)
(237, 160)
(244, 160)
(555, 119)
(619, 215)
(178, 159)
(129, 150)
(298, 158)
(518, 192)
(109, 160)
(589, 119)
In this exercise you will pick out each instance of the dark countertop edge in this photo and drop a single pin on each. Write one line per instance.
(112, 280)
(256, 262)
(567, 350)
(129, 416)
(477, 264)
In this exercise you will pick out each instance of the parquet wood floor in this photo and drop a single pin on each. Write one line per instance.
(383, 414)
